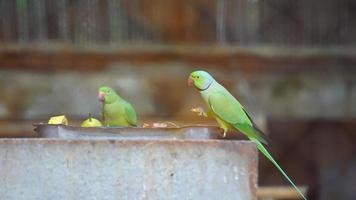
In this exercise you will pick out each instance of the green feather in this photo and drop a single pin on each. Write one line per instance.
(268, 155)
(229, 113)
(117, 111)
(130, 114)
(227, 108)
(224, 105)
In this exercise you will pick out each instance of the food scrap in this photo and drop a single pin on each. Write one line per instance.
(60, 119)
(160, 125)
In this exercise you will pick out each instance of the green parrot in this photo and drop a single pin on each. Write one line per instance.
(230, 114)
(116, 111)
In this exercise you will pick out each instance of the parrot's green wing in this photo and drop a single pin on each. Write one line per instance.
(261, 135)
(130, 114)
(227, 108)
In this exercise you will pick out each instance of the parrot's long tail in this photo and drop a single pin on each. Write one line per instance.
(268, 155)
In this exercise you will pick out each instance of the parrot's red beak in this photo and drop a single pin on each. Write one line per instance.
(101, 96)
(190, 81)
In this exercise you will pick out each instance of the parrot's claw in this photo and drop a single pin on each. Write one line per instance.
(223, 133)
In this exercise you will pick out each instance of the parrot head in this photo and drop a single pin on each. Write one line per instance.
(107, 95)
(200, 79)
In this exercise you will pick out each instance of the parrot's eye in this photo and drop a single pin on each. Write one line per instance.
(197, 76)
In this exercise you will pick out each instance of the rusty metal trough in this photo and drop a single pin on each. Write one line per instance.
(124, 167)
(127, 133)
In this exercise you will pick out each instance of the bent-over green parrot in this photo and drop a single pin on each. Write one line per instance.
(116, 111)
(230, 114)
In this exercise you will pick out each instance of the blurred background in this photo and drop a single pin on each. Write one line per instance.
(290, 62)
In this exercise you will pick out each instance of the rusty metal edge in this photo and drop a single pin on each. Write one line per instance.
(139, 128)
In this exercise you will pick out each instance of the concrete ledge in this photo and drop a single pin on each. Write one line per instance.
(118, 169)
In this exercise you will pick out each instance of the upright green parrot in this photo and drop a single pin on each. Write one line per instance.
(230, 114)
(116, 111)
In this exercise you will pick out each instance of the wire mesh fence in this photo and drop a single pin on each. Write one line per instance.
(137, 22)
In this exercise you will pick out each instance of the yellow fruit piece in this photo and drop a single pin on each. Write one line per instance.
(91, 122)
(61, 119)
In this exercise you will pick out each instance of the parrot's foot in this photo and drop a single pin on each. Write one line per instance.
(223, 133)
(198, 110)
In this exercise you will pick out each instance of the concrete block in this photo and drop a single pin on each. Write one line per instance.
(41, 168)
